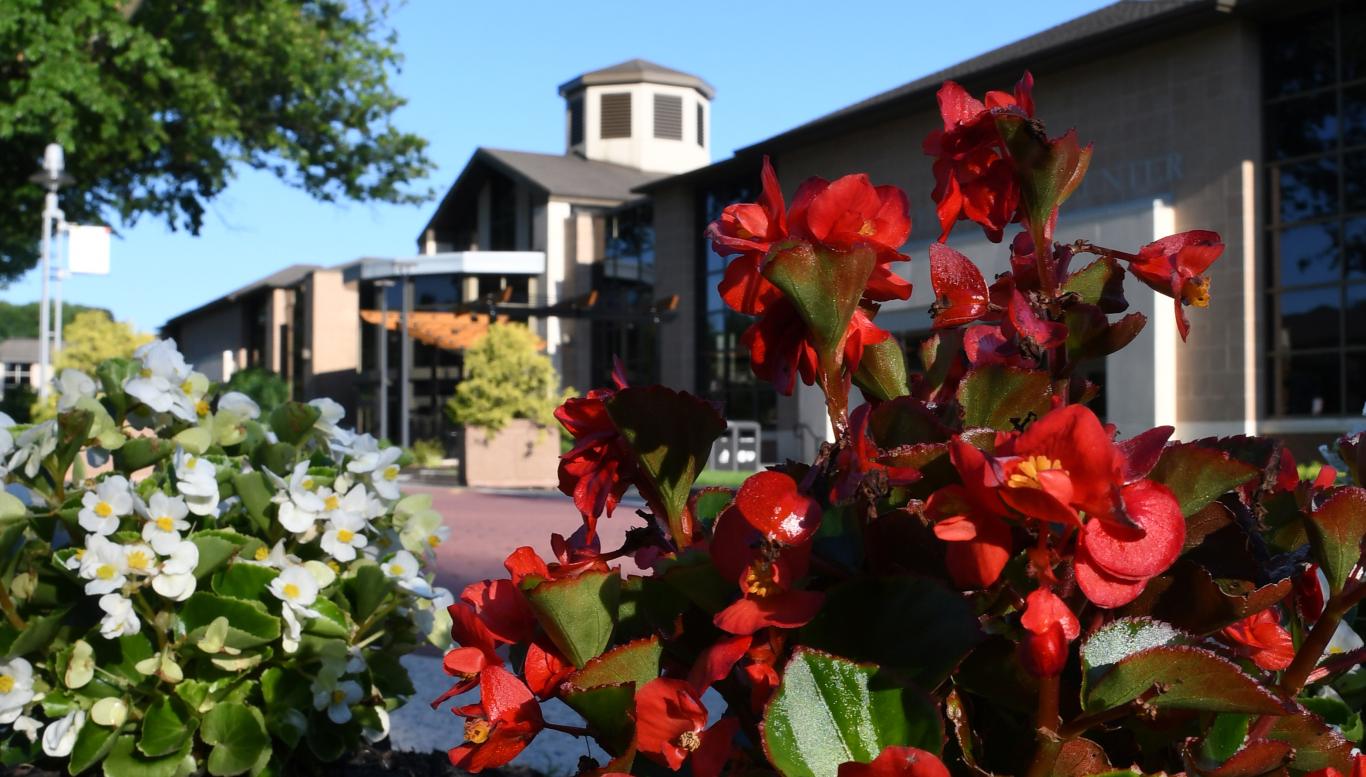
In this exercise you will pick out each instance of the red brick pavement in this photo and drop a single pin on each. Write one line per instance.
(486, 527)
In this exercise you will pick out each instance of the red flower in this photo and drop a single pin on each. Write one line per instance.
(502, 609)
(780, 349)
(752, 227)
(979, 542)
(544, 668)
(960, 292)
(1261, 638)
(897, 761)
(476, 651)
(1063, 463)
(600, 467)
(504, 722)
(1115, 561)
(1049, 626)
(1358, 769)
(1174, 266)
(851, 211)
(671, 725)
(770, 502)
(765, 572)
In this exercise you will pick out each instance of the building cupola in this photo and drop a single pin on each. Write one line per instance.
(641, 115)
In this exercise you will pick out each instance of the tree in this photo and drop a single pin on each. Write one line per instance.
(93, 337)
(22, 320)
(506, 377)
(157, 102)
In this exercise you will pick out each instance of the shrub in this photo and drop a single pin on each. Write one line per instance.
(974, 572)
(428, 453)
(506, 377)
(267, 389)
(228, 592)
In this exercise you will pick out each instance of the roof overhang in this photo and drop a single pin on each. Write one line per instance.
(449, 263)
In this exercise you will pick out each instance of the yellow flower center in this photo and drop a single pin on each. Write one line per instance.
(187, 388)
(345, 535)
(145, 373)
(201, 408)
(689, 740)
(166, 523)
(1195, 291)
(868, 229)
(391, 472)
(1027, 471)
(396, 570)
(80, 553)
(103, 510)
(334, 566)
(338, 696)
(138, 560)
(291, 591)
(308, 484)
(759, 579)
(106, 572)
(6, 683)
(477, 731)
(262, 554)
(331, 503)
(190, 461)
(433, 540)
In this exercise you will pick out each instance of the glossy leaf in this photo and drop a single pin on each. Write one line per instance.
(607, 709)
(1048, 170)
(244, 581)
(635, 662)
(292, 421)
(367, 590)
(1336, 530)
(881, 371)
(1198, 475)
(167, 726)
(1190, 599)
(1100, 283)
(93, 743)
(825, 287)
(828, 711)
(124, 760)
(1181, 677)
(256, 497)
(996, 396)
(238, 735)
(577, 613)
(142, 452)
(249, 625)
(1317, 745)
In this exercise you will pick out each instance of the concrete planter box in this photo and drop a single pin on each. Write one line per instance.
(521, 455)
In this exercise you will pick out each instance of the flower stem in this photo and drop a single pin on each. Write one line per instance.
(1046, 724)
(11, 612)
(577, 731)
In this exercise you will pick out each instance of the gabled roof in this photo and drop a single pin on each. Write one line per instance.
(280, 279)
(634, 71)
(19, 350)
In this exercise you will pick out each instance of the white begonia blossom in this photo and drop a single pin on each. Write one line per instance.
(103, 564)
(275, 558)
(61, 733)
(239, 404)
(343, 536)
(119, 618)
(165, 521)
(16, 688)
(190, 404)
(295, 519)
(177, 581)
(29, 727)
(330, 414)
(196, 480)
(296, 587)
(102, 508)
(336, 697)
(34, 444)
(163, 370)
(382, 467)
(140, 560)
(6, 437)
(403, 567)
(72, 387)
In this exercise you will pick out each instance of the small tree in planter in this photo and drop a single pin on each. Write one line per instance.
(975, 577)
(509, 391)
(230, 593)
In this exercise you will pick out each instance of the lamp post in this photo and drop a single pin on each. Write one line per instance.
(52, 177)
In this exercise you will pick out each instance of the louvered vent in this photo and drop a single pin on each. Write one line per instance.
(668, 117)
(701, 125)
(616, 115)
(576, 121)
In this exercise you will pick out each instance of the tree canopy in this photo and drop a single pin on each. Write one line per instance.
(21, 320)
(506, 377)
(92, 337)
(156, 103)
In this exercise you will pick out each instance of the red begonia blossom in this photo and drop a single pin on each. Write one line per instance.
(1049, 626)
(979, 540)
(476, 650)
(502, 608)
(1358, 769)
(504, 722)
(671, 726)
(544, 668)
(1174, 266)
(765, 572)
(600, 467)
(781, 350)
(960, 292)
(1261, 638)
(897, 761)
(771, 503)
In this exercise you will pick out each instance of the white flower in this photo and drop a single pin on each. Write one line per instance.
(60, 736)
(239, 404)
(275, 557)
(382, 467)
(29, 727)
(176, 581)
(102, 508)
(403, 567)
(16, 688)
(119, 618)
(6, 438)
(330, 414)
(296, 587)
(305, 491)
(296, 519)
(343, 536)
(140, 560)
(103, 564)
(34, 445)
(163, 370)
(165, 521)
(336, 697)
(196, 480)
(293, 630)
(72, 386)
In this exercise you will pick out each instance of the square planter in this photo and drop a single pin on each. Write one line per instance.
(521, 455)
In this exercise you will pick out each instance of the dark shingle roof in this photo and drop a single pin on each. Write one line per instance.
(570, 175)
(635, 70)
(280, 279)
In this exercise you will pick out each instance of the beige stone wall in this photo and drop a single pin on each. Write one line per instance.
(333, 337)
(522, 455)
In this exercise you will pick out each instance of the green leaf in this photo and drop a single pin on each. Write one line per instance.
(121, 656)
(278, 457)
(367, 590)
(1336, 530)
(671, 433)
(330, 623)
(1225, 737)
(607, 709)
(124, 760)
(882, 371)
(142, 452)
(1100, 283)
(292, 421)
(93, 743)
(11, 509)
(635, 662)
(707, 503)
(1181, 677)
(216, 546)
(37, 634)
(73, 429)
(195, 439)
(391, 677)
(1317, 745)
(825, 287)
(1187, 597)
(997, 396)
(244, 581)
(238, 735)
(256, 497)
(1048, 171)
(167, 726)
(577, 613)
(1119, 639)
(249, 623)
(1198, 475)
(829, 710)
(911, 624)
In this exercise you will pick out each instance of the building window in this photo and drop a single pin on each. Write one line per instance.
(668, 117)
(723, 370)
(701, 125)
(1315, 132)
(576, 121)
(502, 214)
(615, 115)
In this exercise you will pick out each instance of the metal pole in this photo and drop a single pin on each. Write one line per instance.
(57, 275)
(382, 356)
(44, 324)
(405, 365)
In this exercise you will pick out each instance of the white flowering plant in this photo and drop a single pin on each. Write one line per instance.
(187, 586)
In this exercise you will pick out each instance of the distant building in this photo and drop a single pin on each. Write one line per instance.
(18, 364)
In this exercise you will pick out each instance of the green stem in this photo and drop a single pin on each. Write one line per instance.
(1046, 725)
(11, 612)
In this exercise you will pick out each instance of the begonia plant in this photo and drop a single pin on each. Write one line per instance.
(187, 586)
(976, 575)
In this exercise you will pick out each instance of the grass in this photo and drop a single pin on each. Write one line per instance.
(721, 477)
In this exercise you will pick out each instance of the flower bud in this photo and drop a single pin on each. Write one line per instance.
(1044, 655)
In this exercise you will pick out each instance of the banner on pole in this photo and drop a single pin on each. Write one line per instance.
(88, 248)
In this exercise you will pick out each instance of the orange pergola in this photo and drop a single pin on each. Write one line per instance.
(441, 329)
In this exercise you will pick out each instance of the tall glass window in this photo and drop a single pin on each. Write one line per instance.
(1315, 130)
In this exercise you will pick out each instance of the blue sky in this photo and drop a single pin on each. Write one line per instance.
(485, 73)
